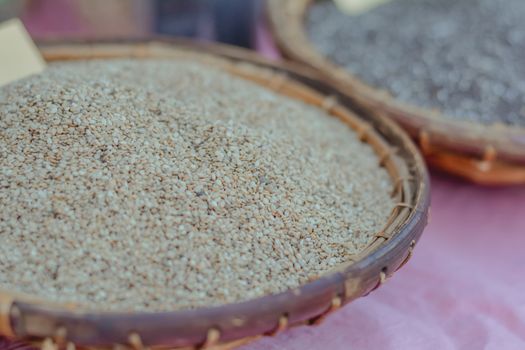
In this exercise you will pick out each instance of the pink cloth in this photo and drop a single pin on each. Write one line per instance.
(53, 18)
(463, 289)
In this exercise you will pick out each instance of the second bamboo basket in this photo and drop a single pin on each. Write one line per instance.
(490, 155)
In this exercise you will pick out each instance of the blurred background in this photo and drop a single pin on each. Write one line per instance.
(227, 21)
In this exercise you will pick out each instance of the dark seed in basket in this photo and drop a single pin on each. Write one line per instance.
(464, 58)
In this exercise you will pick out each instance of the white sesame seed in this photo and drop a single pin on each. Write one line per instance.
(184, 187)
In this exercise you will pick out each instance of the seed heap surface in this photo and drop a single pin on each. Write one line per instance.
(156, 185)
(465, 58)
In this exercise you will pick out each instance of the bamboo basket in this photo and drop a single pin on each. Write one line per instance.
(55, 326)
(484, 154)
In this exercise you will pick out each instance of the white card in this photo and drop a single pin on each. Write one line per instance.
(19, 56)
(356, 7)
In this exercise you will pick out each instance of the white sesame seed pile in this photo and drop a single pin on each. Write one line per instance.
(464, 58)
(158, 185)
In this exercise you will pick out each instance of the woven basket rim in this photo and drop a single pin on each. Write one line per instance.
(24, 316)
(286, 21)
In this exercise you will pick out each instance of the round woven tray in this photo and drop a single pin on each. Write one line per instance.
(26, 318)
(492, 155)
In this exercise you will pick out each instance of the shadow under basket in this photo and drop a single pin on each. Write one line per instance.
(223, 327)
(484, 154)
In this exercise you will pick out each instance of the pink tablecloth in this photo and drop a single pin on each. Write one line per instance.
(463, 289)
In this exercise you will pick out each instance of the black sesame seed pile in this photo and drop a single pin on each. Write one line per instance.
(464, 58)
